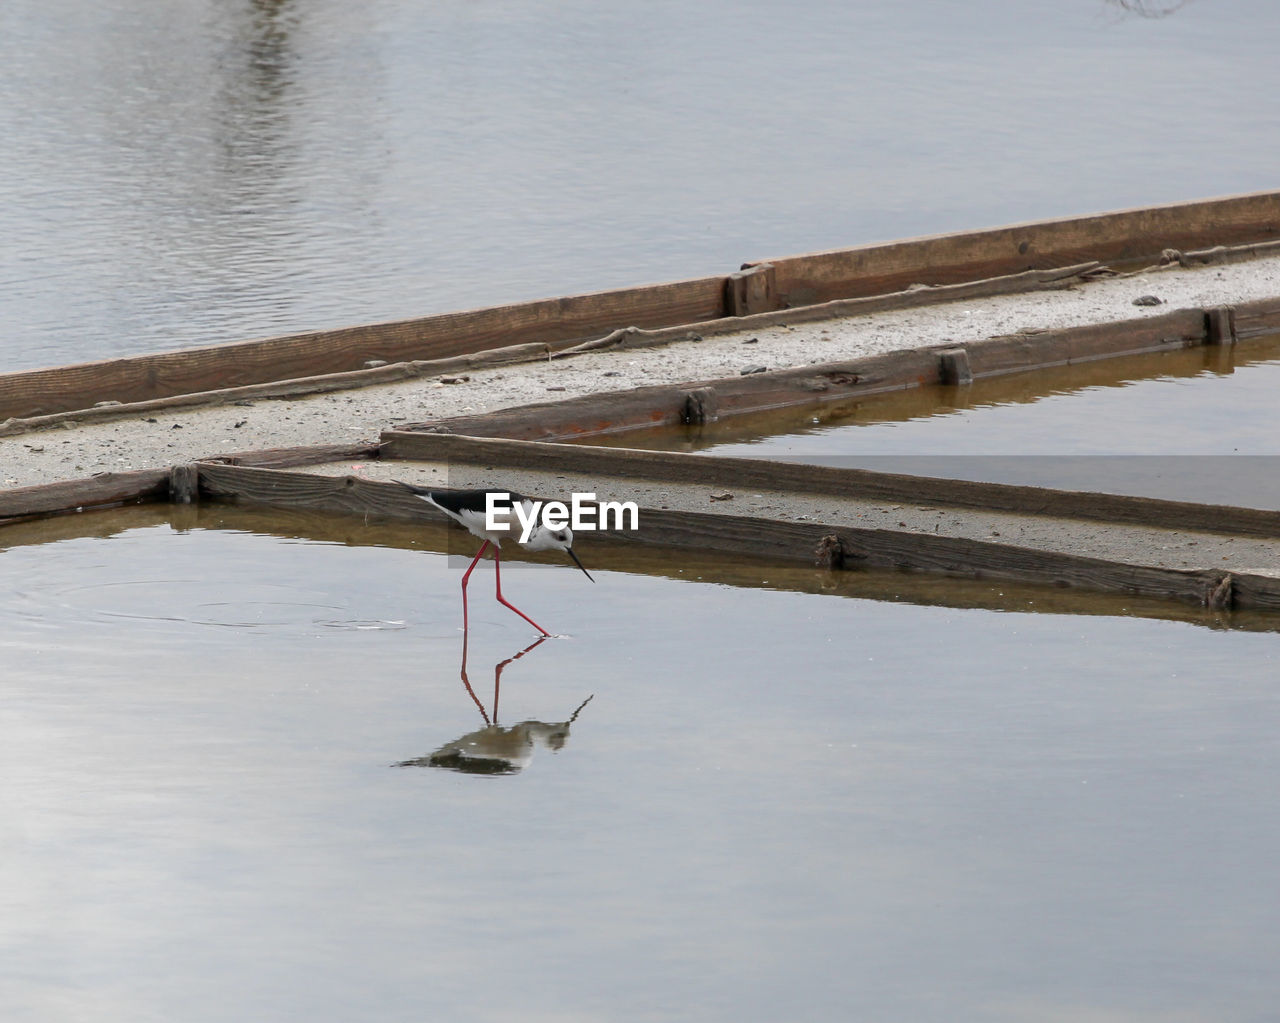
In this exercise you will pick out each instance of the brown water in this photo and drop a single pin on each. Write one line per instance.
(1193, 425)
(218, 804)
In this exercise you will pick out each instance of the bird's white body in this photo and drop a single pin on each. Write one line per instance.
(508, 524)
(494, 516)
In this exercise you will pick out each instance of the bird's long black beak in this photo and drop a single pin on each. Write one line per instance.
(569, 551)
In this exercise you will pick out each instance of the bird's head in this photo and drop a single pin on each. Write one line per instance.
(544, 539)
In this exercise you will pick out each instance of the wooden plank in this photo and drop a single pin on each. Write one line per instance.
(550, 321)
(791, 541)
(104, 490)
(941, 555)
(286, 458)
(1018, 353)
(1121, 235)
(848, 274)
(282, 388)
(341, 494)
(83, 384)
(912, 298)
(1254, 591)
(723, 471)
(179, 484)
(665, 405)
(1256, 319)
(619, 411)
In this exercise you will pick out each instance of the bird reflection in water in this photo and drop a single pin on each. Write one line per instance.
(494, 749)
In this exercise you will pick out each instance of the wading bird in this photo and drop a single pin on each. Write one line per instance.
(468, 508)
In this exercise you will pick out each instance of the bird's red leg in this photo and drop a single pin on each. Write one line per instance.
(467, 683)
(467, 575)
(497, 670)
(497, 583)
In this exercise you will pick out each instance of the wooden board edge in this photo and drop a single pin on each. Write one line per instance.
(618, 412)
(792, 541)
(723, 471)
(1119, 235)
(102, 491)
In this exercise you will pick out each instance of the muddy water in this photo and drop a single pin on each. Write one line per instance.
(219, 802)
(1193, 425)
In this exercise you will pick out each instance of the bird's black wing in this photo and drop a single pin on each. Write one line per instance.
(456, 501)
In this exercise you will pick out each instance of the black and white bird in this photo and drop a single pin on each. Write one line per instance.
(469, 508)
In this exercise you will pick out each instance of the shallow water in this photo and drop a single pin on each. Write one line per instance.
(202, 171)
(1193, 425)
(777, 803)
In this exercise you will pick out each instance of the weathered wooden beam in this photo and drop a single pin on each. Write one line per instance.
(942, 555)
(104, 490)
(342, 494)
(1044, 349)
(1257, 318)
(1118, 236)
(724, 471)
(286, 458)
(621, 411)
(292, 388)
(213, 367)
(790, 541)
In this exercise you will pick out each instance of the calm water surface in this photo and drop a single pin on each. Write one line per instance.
(778, 804)
(210, 170)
